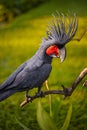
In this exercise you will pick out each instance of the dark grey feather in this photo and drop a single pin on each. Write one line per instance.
(6, 94)
(62, 29)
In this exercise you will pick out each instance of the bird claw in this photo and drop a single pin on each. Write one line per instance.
(66, 91)
(28, 98)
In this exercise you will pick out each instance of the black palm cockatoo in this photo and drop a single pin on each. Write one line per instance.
(36, 70)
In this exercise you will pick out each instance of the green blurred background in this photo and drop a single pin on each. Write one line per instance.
(23, 23)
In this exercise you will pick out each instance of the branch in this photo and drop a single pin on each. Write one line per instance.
(85, 83)
(79, 39)
(66, 91)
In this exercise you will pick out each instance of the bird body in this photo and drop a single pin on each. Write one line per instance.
(29, 75)
(36, 70)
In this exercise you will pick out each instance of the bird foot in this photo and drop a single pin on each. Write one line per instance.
(66, 91)
(28, 98)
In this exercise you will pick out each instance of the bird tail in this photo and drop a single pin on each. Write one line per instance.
(5, 94)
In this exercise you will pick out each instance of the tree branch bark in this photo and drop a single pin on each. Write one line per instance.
(66, 91)
(82, 35)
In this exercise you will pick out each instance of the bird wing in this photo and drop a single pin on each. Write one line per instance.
(34, 78)
(27, 79)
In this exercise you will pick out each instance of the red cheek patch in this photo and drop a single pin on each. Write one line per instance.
(52, 50)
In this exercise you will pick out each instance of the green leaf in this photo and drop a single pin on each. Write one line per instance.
(68, 118)
(22, 125)
(44, 119)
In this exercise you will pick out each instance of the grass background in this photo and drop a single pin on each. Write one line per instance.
(19, 40)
